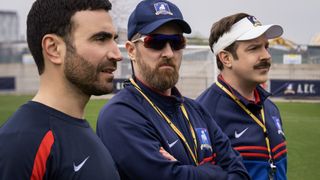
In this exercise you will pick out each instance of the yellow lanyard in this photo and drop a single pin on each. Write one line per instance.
(173, 127)
(262, 125)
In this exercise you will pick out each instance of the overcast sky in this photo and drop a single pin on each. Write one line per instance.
(299, 18)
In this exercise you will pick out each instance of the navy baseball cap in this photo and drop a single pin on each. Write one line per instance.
(151, 14)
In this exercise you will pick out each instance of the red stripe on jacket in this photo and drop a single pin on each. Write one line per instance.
(261, 148)
(40, 161)
(280, 153)
(279, 146)
(254, 155)
(209, 159)
(239, 148)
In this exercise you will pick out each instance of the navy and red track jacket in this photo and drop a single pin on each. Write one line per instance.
(245, 134)
(134, 132)
(39, 142)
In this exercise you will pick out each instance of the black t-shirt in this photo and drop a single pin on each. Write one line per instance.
(39, 142)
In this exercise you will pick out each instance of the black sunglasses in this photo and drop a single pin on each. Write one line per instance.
(158, 41)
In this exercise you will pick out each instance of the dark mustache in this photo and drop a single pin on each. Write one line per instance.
(107, 64)
(263, 64)
(166, 62)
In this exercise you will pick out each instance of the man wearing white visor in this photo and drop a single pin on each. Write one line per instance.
(238, 103)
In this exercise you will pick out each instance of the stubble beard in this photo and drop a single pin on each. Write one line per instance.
(83, 74)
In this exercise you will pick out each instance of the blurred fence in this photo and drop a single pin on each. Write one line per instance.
(198, 69)
(13, 52)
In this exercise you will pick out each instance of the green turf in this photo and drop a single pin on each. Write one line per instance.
(10, 103)
(302, 129)
(92, 111)
(301, 123)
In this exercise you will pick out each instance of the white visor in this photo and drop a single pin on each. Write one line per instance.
(246, 29)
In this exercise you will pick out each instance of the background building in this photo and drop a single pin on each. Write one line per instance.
(9, 26)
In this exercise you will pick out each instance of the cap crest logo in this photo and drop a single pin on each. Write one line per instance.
(162, 8)
(254, 21)
(289, 89)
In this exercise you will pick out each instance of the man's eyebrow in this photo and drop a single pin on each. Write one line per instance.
(104, 34)
(254, 44)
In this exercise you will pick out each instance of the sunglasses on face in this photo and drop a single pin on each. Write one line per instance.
(159, 41)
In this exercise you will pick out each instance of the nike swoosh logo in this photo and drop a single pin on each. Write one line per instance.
(173, 143)
(280, 132)
(77, 168)
(237, 135)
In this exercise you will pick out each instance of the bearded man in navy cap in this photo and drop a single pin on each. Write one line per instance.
(151, 130)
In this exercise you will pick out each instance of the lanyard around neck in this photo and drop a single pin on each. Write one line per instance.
(173, 127)
(261, 124)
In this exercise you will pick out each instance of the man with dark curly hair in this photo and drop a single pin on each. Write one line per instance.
(73, 45)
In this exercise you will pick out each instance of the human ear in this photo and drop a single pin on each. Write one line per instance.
(53, 48)
(131, 50)
(226, 58)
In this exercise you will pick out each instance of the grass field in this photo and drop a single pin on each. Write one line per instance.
(301, 123)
